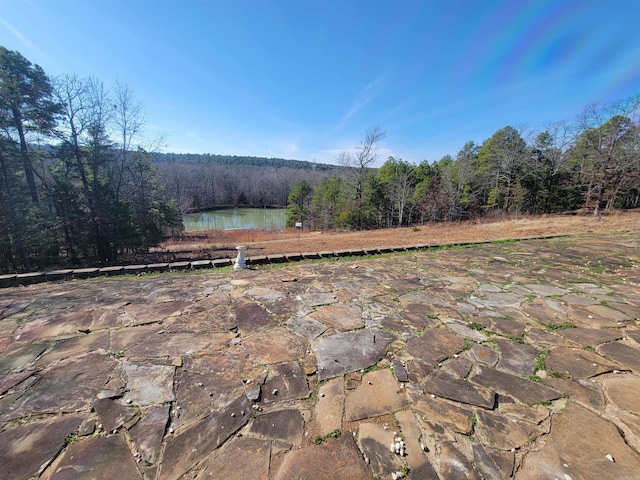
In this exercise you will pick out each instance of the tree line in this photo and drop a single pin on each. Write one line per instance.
(80, 185)
(208, 182)
(77, 185)
(591, 163)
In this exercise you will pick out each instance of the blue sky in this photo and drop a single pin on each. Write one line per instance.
(304, 79)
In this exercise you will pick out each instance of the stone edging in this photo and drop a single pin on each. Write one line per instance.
(20, 279)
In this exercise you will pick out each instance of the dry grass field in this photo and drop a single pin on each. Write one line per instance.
(221, 243)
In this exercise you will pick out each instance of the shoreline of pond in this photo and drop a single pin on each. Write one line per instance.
(231, 207)
(240, 218)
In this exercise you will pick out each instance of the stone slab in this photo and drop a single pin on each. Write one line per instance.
(252, 318)
(337, 458)
(579, 363)
(196, 264)
(318, 299)
(484, 354)
(123, 339)
(7, 382)
(115, 270)
(193, 443)
(497, 300)
(419, 465)
(584, 392)
(286, 425)
(577, 448)
(519, 388)
(426, 297)
(575, 299)
(142, 314)
(208, 382)
(443, 385)
(516, 357)
(377, 395)
(158, 267)
(418, 370)
(609, 313)
(180, 265)
(87, 427)
(15, 360)
(437, 411)
(8, 280)
(374, 442)
(350, 351)
(400, 371)
(97, 458)
(307, 327)
(539, 311)
(130, 269)
(590, 336)
(113, 414)
(485, 464)
(624, 392)
(31, 278)
(464, 331)
(67, 387)
(277, 345)
(181, 343)
(75, 346)
(507, 326)
(534, 414)
(149, 384)
(241, 457)
(417, 315)
(286, 381)
(634, 334)
(55, 328)
(545, 290)
(454, 465)
(459, 367)
(586, 318)
(340, 316)
(503, 433)
(148, 433)
(633, 311)
(28, 449)
(436, 345)
(398, 325)
(622, 353)
(329, 409)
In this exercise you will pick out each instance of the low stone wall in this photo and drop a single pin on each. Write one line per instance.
(18, 279)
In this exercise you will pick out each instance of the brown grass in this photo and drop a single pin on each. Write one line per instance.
(221, 243)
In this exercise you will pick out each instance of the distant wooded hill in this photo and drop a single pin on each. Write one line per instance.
(206, 181)
(211, 159)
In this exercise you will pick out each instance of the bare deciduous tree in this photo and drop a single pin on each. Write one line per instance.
(361, 161)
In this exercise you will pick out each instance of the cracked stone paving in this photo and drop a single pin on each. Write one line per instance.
(495, 361)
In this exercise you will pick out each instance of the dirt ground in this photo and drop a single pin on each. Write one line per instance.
(221, 243)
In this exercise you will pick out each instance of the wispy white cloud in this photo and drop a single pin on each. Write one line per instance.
(283, 149)
(332, 155)
(364, 97)
(22, 38)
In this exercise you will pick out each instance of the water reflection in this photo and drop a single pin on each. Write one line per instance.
(235, 218)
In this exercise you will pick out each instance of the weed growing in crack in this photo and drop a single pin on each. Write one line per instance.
(335, 434)
(550, 327)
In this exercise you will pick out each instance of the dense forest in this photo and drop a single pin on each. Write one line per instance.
(77, 186)
(592, 163)
(207, 182)
(80, 185)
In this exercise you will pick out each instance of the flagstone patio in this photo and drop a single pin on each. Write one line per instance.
(497, 361)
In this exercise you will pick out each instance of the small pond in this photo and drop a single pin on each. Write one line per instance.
(235, 218)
